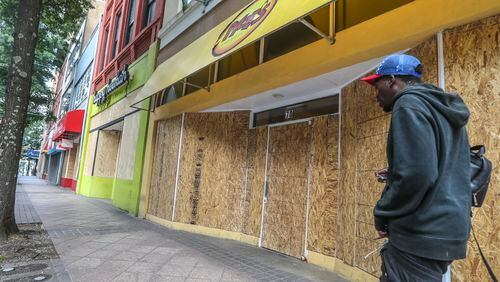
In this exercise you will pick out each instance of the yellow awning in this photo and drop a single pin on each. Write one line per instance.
(248, 25)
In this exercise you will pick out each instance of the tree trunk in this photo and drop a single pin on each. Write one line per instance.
(17, 94)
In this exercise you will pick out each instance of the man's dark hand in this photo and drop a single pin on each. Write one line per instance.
(381, 227)
(381, 175)
(381, 234)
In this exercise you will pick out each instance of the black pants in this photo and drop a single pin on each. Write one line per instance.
(401, 266)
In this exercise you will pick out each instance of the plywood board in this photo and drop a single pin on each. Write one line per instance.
(426, 52)
(213, 170)
(254, 186)
(322, 223)
(163, 178)
(71, 162)
(346, 227)
(107, 153)
(287, 183)
(364, 247)
(369, 189)
(371, 152)
(472, 67)
(128, 147)
(89, 155)
(65, 163)
(76, 164)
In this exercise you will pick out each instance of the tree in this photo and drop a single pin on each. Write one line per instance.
(47, 23)
(17, 90)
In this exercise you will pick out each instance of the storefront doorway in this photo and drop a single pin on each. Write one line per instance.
(286, 188)
(54, 168)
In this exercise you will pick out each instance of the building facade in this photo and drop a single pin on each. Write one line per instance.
(261, 131)
(51, 158)
(62, 140)
(115, 131)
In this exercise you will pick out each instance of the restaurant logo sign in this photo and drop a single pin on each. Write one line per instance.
(243, 25)
(121, 78)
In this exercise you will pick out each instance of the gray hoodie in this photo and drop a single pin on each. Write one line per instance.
(426, 203)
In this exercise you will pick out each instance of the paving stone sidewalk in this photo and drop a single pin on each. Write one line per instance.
(97, 242)
(24, 210)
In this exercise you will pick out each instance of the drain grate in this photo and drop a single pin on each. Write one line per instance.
(25, 268)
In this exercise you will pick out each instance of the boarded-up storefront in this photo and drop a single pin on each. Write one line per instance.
(307, 188)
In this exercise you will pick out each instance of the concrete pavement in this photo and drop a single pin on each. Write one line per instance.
(97, 242)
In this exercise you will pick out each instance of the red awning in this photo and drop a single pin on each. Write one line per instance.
(70, 126)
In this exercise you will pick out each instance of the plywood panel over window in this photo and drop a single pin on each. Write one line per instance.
(472, 67)
(72, 159)
(164, 168)
(322, 226)
(254, 186)
(287, 184)
(89, 155)
(107, 152)
(128, 147)
(212, 170)
(76, 164)
(65, 164)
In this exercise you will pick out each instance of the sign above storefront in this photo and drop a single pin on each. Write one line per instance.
(257, 20)
(121, 78)
(247, 21)
(66, 144)
(308, 109)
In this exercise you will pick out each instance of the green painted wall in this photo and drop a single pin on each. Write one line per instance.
(125, 194)
(80, 187)
(96, 187)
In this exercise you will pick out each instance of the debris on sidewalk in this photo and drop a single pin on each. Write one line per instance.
(27, 256)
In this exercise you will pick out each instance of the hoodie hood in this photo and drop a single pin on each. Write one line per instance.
(450, 105)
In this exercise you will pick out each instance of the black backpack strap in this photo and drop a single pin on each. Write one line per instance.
(488, 267)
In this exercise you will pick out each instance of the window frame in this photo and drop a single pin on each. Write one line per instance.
(131, 19)
(146, 20)
(116, 37)
(104, 49)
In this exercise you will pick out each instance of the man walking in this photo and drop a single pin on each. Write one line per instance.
(425, 207)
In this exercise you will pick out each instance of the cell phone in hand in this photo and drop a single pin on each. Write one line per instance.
(381, 175)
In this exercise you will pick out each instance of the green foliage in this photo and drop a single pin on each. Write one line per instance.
(33, 134)
(59, 21)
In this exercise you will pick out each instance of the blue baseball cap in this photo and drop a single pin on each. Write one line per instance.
(395, 65)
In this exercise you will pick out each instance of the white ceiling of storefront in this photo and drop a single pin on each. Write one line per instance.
(321, 86)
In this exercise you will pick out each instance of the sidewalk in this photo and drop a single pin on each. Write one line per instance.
(97, 242)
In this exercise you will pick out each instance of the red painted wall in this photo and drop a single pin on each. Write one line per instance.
(68, 183)
(65, 182)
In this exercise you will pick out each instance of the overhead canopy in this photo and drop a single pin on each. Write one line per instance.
(54, 150)
(70, 126)
(256, 20)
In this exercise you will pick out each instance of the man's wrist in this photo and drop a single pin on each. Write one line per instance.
(380, 224)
